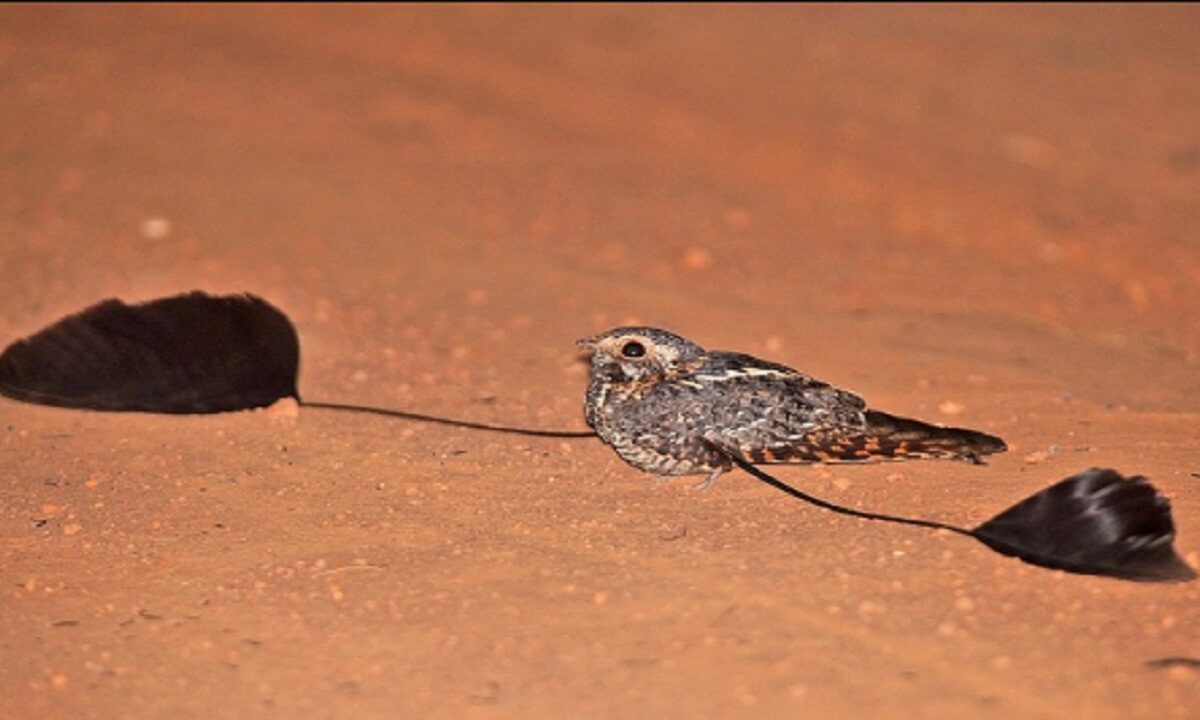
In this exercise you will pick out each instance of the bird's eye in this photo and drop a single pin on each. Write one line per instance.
(633, 349)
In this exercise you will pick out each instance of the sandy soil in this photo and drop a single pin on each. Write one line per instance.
(979, 216)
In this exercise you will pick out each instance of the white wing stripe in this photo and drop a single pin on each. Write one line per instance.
(750, 372)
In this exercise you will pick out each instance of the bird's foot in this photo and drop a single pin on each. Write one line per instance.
(707, 482)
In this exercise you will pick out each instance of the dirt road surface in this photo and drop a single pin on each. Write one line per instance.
(979, 216)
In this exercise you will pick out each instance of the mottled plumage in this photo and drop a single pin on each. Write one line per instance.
(670, 407)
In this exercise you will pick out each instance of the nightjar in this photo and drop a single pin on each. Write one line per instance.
(670, 407)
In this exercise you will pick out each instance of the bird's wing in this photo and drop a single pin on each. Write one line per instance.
(762, 406)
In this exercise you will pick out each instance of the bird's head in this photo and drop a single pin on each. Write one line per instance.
(634, 354)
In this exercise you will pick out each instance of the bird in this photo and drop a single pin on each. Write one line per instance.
(669, 407)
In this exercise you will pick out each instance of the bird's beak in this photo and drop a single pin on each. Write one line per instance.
(587, 343)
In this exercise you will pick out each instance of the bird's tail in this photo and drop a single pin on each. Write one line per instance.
(892, 436)
(887, 437)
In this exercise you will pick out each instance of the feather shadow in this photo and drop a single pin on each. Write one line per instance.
(192, 353)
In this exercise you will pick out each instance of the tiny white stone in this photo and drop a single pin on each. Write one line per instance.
(155, 228)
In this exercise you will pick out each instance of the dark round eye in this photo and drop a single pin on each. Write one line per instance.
(633, 349)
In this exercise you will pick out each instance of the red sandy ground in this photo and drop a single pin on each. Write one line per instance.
(981, 216)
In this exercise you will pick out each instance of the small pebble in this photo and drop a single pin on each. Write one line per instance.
(1036, 457)
(1181, 673)
(155, 228)
(949, 407)
(695, 258)
(283, 409)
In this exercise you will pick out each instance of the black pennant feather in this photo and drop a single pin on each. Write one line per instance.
(1095, 522)
(191, 353)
